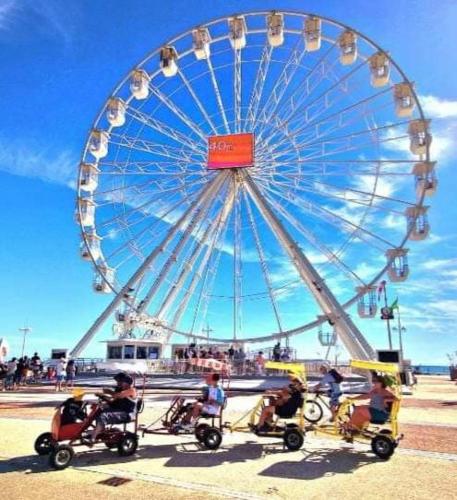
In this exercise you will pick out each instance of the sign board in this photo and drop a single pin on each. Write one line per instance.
(59, 353)
(230, 151)
(389, 356)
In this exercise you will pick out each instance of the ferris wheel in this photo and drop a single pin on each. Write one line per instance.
(261, 172)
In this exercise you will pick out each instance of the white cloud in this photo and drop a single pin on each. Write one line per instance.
(32, 160)
(439, 264)
(48, 17)
(7, 12)
(394, 222)
(435, 107)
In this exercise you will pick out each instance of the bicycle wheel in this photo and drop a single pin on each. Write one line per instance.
(313, 411)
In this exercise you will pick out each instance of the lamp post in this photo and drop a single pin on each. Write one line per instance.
(25, 330)
(206, 331)
(400, 329)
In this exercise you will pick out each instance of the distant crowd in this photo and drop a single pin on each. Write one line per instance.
(241, 363)
(27, 370)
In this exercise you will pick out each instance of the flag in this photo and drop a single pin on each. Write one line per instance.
(394, 304)
(386, 313)
(381, 288)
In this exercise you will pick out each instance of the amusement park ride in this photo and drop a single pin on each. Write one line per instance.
(240, 149)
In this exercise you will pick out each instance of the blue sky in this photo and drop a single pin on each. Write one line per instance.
(60, 64)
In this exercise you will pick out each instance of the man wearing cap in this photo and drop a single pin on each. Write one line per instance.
(120, 403)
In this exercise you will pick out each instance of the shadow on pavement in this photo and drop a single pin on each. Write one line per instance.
(190, 454)
(321, 463)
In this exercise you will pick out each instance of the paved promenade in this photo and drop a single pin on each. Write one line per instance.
(424, 466)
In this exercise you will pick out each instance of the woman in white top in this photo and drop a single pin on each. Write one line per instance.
(61, 370)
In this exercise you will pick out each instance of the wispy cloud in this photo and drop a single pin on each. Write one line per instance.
(36, 161)
(8, 10)
(48, 17)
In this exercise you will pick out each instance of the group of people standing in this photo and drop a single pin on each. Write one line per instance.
(17, 372)
(65, 372)
(25, 370)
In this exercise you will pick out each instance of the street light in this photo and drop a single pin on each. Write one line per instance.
(25, 330)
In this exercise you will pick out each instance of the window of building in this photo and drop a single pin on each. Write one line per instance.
(141, 352)
(153, 353)
(129, 352)
(114, 352)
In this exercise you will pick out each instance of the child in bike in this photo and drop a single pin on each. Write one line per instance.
(332, 380)
(210, 404)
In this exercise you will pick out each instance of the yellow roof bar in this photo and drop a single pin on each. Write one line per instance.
(377, 366)
(297, 368)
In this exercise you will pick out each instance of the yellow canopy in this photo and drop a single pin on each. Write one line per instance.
(296, 368)
(377, 366)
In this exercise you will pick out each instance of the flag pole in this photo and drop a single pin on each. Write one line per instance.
(400, 339)
(389, 332)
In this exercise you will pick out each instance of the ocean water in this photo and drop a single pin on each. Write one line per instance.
(432, 369)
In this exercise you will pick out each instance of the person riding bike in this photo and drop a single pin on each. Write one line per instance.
(120, 404)
(332, 379)
(210, 403)
(283, 402)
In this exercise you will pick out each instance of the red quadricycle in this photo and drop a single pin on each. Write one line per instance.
(72, 424)
(207, 427)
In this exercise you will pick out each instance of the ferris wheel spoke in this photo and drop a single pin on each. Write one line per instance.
(324, 148)
(370, 194)
(149, 227)
(257, 89)
(163, 129)
(217, 93)
(308, 118)
(237, 88)
(337, 85)
(199, 213)
(263, 262)
(295, 102)
(212, 265)
(340, 120)
(125, 187)
(307, 186)
(177, 111)
(143, 206)
(199, 104)
(282, 83)
(145, 146)
(347, 330)
(331, 167)
(138, 274)
(315, 242)
(201, 276)
(338, 221)
(347, 137)
(237, 257)
(187, 267)
(335, 121)
(142, 167)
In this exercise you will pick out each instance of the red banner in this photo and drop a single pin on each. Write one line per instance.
(228, 151)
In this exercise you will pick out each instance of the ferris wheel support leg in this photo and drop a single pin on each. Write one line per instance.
(82, 344)
(188, 266)
(228, 206)
(200, 213)
(350, 335)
